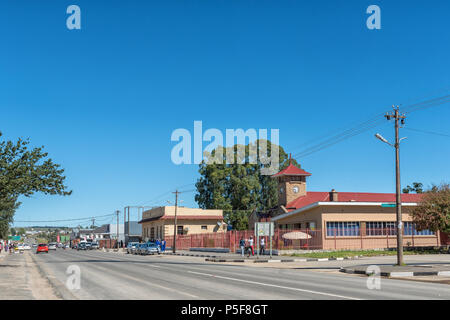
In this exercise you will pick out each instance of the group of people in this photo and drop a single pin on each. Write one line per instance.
(160, 243)
(7, 247)
(248, 245)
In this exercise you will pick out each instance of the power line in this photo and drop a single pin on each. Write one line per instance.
(63, 220)
(367, 125)
(163, 195)
(429, 132)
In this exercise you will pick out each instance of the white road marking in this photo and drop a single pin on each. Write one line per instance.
(275, 286)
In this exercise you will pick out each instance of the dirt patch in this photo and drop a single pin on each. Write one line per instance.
(39, 286)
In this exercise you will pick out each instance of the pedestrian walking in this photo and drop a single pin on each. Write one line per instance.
(242, 245)
(263, 246)
(163, 245)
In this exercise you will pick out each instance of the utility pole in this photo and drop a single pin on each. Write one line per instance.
(398, 200)
(174, 247)
(93, 222)
(117, 239)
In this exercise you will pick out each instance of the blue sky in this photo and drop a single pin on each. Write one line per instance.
(105, 99)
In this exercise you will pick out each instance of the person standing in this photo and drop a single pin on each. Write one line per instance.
(163, 245)
(250, 244)
(242, 245)
(263, 247)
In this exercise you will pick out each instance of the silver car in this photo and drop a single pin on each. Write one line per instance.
(131, 246)
(151, 248)
(52, 246)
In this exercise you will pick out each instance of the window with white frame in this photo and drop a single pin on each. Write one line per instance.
(343, 229)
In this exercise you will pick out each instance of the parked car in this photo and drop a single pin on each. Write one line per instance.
(81, 246)
(131, 246)
(151, 248)
(139, 248)
(52, 246)
(42, 247)
(35, 245)
(134, 250)
(95, 245)
(26, 246)
(88, 246)
(75, 246)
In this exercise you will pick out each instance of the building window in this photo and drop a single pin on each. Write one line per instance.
(410, 229)
(379, 228)
(204, 227)
(152, 233)
(180, 229)
(342, 229)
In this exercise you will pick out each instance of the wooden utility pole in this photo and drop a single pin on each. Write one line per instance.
(175, 222)
(398, 200)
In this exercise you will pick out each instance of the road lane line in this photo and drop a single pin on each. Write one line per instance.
(273, 285)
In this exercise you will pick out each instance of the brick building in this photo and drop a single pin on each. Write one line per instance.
(159, 222)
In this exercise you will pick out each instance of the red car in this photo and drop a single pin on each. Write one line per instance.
(42, 247)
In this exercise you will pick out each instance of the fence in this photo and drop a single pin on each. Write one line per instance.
(230, 240)
(334, 239)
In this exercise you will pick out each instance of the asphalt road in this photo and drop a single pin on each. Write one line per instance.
(106, 275)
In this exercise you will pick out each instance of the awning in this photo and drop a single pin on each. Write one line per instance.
(296, 235)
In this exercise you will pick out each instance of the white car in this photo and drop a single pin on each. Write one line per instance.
(26, 247)
(52, 246)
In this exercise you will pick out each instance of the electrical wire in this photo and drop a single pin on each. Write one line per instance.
(367, 125)
(64, 220)
(429, 132)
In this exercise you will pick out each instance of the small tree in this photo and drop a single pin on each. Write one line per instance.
(416, 187)
(433, 211)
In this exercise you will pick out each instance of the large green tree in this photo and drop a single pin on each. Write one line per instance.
(433, 211)
(238, 188)
(23, 172)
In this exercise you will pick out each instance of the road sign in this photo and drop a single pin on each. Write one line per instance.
(264, 229)
(388, 205)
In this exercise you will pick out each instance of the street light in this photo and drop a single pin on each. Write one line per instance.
(380, 137)
(398, 201)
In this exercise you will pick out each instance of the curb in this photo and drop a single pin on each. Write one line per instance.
(190, 255)
(399, 274)
(58, 287)
(282, 260)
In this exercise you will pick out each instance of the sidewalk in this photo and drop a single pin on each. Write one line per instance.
(233, 257)
(20, 279)
(402, 271)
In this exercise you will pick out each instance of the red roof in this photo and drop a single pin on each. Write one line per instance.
(312, 197)
(291, 170)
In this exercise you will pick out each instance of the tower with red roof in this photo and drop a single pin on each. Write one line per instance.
(291, 183)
